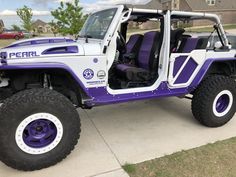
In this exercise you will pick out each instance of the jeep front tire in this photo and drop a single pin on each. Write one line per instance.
(38, 128)
(214, 101)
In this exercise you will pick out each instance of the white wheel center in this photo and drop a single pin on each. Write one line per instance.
(34, 132)
(223, 103)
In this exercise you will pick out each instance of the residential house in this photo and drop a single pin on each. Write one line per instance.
(225, 9)
(40, 26)
(154, 4)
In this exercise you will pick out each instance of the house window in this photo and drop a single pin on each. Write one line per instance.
(174, 4)
(211, 2)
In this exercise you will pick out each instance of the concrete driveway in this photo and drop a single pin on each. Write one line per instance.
(130, 133)
(232, 31)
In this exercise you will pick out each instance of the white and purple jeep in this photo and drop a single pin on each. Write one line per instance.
(44, 80)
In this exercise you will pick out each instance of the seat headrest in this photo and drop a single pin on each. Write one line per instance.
(151, 32)
(177, 34)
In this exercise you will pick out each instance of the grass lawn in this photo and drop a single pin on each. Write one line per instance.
(209, 29)
(4, 43)
(229, 27)
(213, 160)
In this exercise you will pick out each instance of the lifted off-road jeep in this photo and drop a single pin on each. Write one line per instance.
(44, 80)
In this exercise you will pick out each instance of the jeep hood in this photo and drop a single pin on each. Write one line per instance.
(49, 47)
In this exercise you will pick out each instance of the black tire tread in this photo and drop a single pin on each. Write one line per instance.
(37, 96)
(202, 95)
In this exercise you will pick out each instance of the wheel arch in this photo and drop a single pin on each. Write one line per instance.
(227, 68)
(52, 69)
(224, 66)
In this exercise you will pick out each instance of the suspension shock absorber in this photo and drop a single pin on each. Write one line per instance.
(47, 82)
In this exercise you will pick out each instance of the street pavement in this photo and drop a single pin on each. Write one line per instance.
(130, 133)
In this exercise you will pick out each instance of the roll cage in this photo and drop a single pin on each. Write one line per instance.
(165, 18)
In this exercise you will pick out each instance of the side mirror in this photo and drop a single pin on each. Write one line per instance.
(218, 45)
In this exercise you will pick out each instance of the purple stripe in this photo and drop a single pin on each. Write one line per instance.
(187, 72)
(179, 61)
(132, 41)
(145, 50)
(41, 41)
(102, 97)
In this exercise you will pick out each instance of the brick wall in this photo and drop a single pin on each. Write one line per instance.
(227, 17)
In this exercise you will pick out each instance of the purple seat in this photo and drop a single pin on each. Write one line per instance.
(188, 45)
(132, 48)
(134, 43)
(146, 62)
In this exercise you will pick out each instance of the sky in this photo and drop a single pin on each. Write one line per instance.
(41, 8)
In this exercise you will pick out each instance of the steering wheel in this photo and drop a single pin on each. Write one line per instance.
(122, 41)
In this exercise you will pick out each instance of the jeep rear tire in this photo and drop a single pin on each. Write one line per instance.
(38, 128)
(214, 101)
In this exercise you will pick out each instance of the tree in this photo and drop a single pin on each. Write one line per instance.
(69, 18)
(1, 26)
(54, 27)
(16, 28)
(26, 15)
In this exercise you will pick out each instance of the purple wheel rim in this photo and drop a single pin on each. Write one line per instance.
(39, 133)
(222, 103)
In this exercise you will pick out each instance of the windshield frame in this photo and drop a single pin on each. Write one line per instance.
(84, 34)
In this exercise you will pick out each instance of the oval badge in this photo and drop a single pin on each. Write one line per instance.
(101, 74)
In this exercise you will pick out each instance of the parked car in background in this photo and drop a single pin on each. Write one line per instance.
(8, 34)
(27, 34)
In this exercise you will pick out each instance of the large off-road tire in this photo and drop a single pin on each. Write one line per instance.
(38, 128)
(214, 101)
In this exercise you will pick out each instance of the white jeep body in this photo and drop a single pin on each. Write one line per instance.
(89, 60)
(44, 80)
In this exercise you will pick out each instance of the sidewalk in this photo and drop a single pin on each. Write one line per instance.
(130, 133)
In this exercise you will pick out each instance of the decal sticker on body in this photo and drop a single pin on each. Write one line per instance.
(23, 54)
(101, 74)
(88, 74)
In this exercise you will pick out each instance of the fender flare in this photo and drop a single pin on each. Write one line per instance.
(202, 72)
(46, 66)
